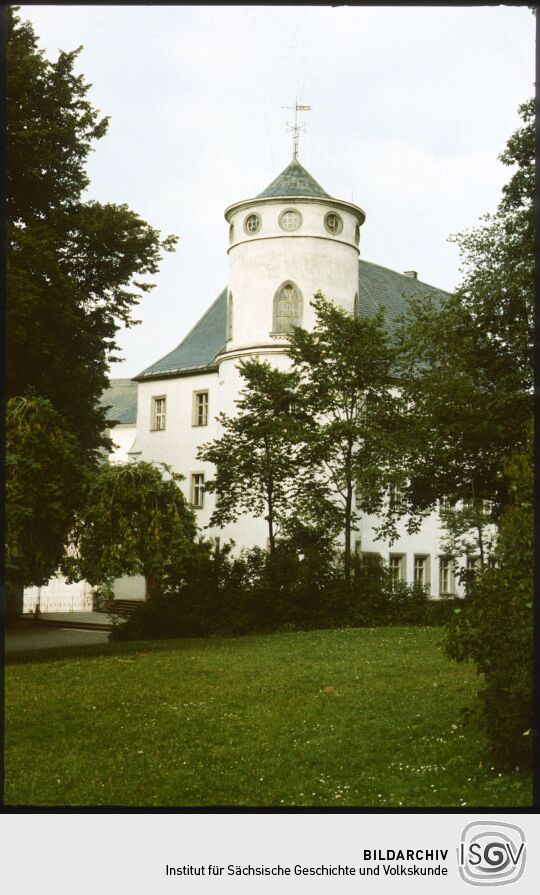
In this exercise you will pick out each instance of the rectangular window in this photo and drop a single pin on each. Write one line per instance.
(200, 409)
(446, 576)
(159, 413)
(421, 571)
(446, 503)
(197, 490)
(395, 499)
(474, 564)
(371, 559)
(395, 565)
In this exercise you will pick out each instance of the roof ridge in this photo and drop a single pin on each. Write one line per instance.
(399, 274)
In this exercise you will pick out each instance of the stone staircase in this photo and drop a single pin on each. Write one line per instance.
(121, 607)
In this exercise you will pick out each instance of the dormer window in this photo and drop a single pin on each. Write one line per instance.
(252, 223)
(333, 223)
(290, 219)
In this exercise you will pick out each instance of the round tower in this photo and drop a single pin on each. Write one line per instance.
(286, 244)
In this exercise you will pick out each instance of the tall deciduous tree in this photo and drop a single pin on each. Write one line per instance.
(465, 366)
(76, 268)
(43, 481)
(133, 520)
(344, 367)
(495, 625)
(260, 469)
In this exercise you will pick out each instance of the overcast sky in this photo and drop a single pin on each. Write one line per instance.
(410, 108)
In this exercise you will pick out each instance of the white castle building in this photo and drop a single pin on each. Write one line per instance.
(286, 244)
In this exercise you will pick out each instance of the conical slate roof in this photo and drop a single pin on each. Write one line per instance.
(294, 181)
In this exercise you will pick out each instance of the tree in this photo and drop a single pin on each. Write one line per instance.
(133, 520)
(465, 365)
(495, 625)
(75, 269)
(468, 529)
(258, 459)
(42, 469)
(344, 367)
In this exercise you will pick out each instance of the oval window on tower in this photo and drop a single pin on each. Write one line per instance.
(290, 219)
(333, 223)
(252, 223)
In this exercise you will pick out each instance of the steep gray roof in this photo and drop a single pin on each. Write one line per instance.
(377, 286)
(294, 181)
(381, 287)
(200, 346)
(121, 399)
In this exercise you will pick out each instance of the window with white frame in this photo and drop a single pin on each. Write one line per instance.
(474, 564)
(290, 219)
(446, 576)
(200, 409)
(395, 566)
(395, 499)
(371, 560)
(446, 503)
(287, 308)
(197, 490)
(421, 571)
(158, 413)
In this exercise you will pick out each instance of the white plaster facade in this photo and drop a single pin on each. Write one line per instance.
(313, 259)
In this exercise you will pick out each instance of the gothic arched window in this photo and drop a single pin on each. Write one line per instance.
(287, 308)
(356, 312)
(229, 315)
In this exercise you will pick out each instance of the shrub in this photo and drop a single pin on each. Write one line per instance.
(494, 627)
(256, 592)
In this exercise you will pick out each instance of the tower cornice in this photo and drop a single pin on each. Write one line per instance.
(290, 200)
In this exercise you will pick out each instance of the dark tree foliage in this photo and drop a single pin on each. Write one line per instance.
(133, 520)
(465, 366)
(344, 369)
(42, 469)
(260, 467)
(76, 268)
(495, 626)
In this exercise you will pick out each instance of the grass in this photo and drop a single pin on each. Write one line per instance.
(365, 717)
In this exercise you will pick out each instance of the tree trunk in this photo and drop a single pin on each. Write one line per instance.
(153, 587)
(347, 555)
(14, 602)
(271, 537)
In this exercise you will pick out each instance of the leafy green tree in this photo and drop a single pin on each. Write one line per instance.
(344, 367)
(75, 268)
(259, 463)
(468, 529)
(42, 469)
(495, 626)
(133, 520)
(465, 365)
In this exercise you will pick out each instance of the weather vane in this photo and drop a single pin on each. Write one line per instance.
(296, 128)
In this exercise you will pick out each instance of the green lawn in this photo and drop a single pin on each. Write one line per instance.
(365, 717)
